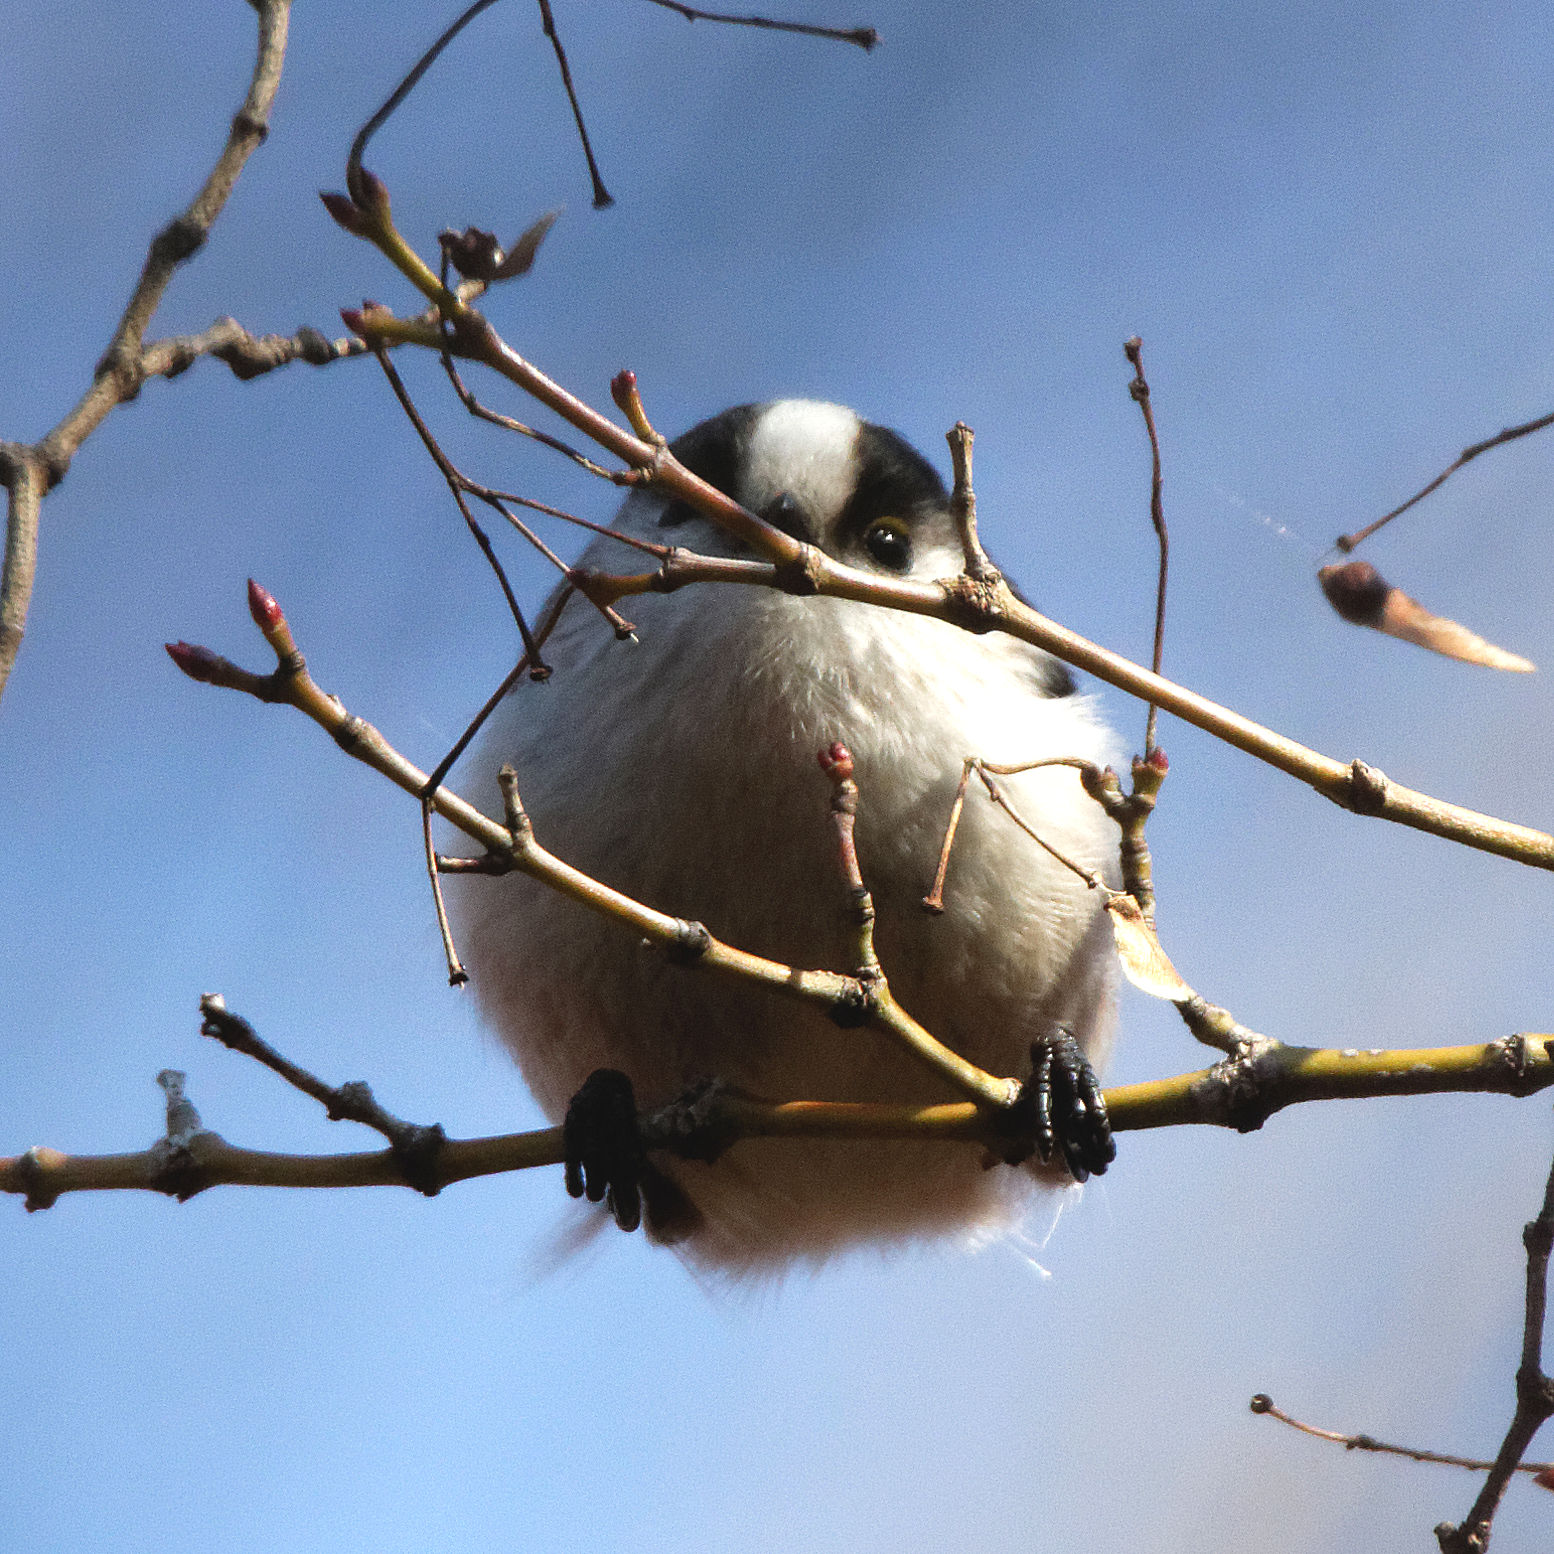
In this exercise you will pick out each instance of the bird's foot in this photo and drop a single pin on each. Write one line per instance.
(607, 1163)
(605, 1160)
(1060, 1113)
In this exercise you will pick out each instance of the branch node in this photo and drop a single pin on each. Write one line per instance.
(32, 1167)
(854, 1005)
(801, 575)
(180, 239)
(246, 124)
(975, 604)
(1367, 789)
(351, 735)
(691, 941)
(694, 1126)
(520, 828)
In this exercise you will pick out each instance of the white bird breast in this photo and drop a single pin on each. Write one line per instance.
(681, 769)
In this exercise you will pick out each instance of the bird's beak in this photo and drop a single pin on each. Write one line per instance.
(786, 514)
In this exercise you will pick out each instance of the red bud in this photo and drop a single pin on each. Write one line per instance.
(199, 663)
(1157, 759)
(623, 385)
(836, 761)
(345, 210)
(262, 606)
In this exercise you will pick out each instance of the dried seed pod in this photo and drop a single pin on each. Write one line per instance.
(1359, 593)
(1144, 962)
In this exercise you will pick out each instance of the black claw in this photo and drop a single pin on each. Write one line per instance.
(604, 1157)
(1062, 1109)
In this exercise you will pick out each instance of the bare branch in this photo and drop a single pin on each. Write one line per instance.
(837, 763)
(1139, 389)
(1347, 542)
(26, 479)
(249, 356)
(864, 37)
(603, 199)
(1263, 1404)
(515, 674)
(1238, 1095)
(30, 472)
(1534, 1391)
(415, 1146)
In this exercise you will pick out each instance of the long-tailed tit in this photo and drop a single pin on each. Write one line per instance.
(681, 769)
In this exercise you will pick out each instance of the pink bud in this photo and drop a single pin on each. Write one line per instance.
(262, 606)
(836, 761)
(199, 663)
(623, 389)
(345, 210)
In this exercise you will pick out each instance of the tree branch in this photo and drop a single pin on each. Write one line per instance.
(1231, 1094)
(1534, 1391)
(1263, 1404)
(31, 471)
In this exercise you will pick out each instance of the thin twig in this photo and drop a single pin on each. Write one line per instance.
(837, 763)
(647, 547)
(249, 356)
(457, 485)
(1534, 1391)
(934, 900)
(1263, 1404)
(1089, 772)
(26, 480)
(864, 37)
(29, 472)
(1347, 542)
(415, 1146)
(603, 199)
(963, 506)
(1091, 877)
(353, 162)
(510, 424)
(1139, 389)
(457, 975)
(435, 780)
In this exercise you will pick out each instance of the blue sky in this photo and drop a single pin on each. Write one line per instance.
(1330, 225)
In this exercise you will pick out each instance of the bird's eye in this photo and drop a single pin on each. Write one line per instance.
(890, 545)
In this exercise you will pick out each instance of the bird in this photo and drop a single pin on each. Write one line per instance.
(680, 768)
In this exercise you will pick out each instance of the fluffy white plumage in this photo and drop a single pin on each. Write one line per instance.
(682, 770)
